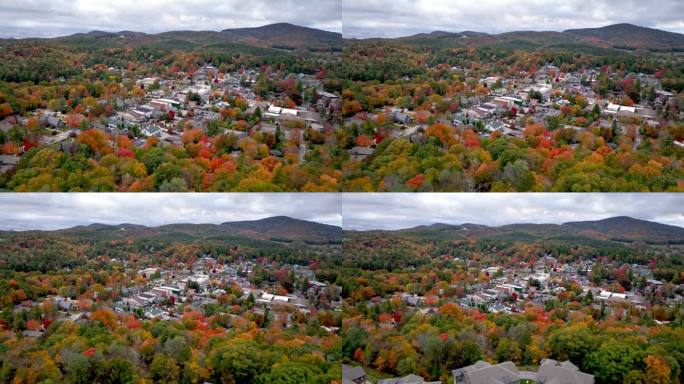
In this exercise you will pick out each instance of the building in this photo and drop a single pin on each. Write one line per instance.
(8, 162)
(360, 153)
(409, 379)
(327, 95)
(165, 104)
(550, 372)
(400, 117)
(353, 375)
(52, 121)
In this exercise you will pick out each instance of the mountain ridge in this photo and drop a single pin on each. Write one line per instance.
(617, 229)
(284, 36)
(281, 229)
(621, 36)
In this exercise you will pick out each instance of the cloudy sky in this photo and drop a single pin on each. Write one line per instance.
(24, 211)
(404, 210)
(49, 18)
(393, 18)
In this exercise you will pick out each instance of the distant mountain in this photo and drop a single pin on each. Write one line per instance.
(616, 229)
(279, 229)
(286, 35)
(286, 227)
(627, 229)
(282, 36)
(611, 37)
(631, 37)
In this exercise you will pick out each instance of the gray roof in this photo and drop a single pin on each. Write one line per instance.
(9, 159)
(550, 372)
(363, 151)
(352, 373)
(408, 379)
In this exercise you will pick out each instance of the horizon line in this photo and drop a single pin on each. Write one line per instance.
(498, 225)
(165, 31)
(427, 32)
(161, 225)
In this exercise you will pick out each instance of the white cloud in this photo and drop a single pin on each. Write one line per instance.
(393, 18)
(23, 211)
(49, 18)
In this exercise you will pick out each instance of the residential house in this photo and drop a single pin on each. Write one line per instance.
(360, 153)
(353, 375)
(8, 162)
(402, 118)
(409, 379)
(550, 372)
(51, 121)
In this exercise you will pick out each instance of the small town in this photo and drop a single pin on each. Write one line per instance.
(545, 97)
(162, 109)
(206, 287)
(426, 305)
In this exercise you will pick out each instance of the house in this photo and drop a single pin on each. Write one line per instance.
(498, 308)
(165, 104)
(65, 303)
(327, 95)
(496, 125)
(550, 372)
(485, 373)
(621, 110)
(150, 130)
(662, 96)
(203, 263)
(412, 300)
(409, 379)
(490, 81)
(165, 291)
(612, 297)
(268, 129)
(270, 298)
(360, 153)
(52, 121)
(506, 102)
(146, 82)
(316, 286)
(155, 313)
(201, 280)
(147, 272)
(132, 302)
(32, 334)
(402, 118)
(353, 375)
(275, 111)
(8, 162)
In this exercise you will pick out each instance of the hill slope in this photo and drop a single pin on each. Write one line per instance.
(624, 228)
(278, 36)
(631, 36)
(286, 35)
(280, 229)
(617, 36)
(616, 229)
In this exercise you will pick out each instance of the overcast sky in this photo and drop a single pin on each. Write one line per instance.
(49, 18)
(24, 211)
(393, 18)
(404, 210)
